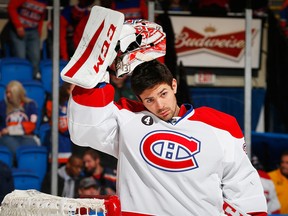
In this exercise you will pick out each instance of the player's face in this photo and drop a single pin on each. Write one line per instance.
(161, 100)
(284, 165)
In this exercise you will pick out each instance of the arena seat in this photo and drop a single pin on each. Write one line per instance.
(229, 100)
(46, 70)
(25, 180)
(6, 156)
(35, 91)
(2, 91)
(33, 159)
(268, 147)
(13, 68)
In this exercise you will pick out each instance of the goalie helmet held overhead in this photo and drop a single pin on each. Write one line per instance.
(140, 41)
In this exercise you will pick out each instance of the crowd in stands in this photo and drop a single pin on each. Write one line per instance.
(83, 176)
(83, 172)
(280, 180)
(273, 204)
(25, 28)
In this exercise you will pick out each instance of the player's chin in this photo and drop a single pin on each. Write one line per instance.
(165, 117)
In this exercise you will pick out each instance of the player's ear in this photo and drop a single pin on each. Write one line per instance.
(174, 86)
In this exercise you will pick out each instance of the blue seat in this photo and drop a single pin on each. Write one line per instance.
(33, 158)
(7, 50)
(6, 156)
(46, 70)
(25, 180)
(2, 91)
(44, 134)
(35, 91)
(13, 68)
(268, 147)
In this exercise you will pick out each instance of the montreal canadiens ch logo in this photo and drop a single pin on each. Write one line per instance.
(170, 151)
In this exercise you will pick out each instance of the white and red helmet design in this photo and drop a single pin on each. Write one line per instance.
(140, 41)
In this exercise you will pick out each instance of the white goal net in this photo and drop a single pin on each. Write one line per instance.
(33, 202)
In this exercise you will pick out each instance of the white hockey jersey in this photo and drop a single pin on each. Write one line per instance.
(184, 167)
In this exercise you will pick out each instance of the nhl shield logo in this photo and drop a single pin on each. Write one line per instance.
(170, 151)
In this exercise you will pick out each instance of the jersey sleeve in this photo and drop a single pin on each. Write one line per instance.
(91, 119)
(241, 182)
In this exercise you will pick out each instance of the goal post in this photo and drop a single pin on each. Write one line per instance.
(111, 203)
(35, 203)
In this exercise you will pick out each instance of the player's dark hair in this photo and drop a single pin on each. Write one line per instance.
(149, 74)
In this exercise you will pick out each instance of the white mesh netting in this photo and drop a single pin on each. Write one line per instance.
(33, 202)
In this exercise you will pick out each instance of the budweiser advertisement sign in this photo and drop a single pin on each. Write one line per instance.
(215, 42)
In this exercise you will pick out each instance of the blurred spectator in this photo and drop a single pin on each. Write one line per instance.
(259, 7)
(18, 117)
(25, 26)
(68, 178)
(132, 9)
(193, 6)
(284, 5)
(5, 41)
(170, 58)
(63, 3)
(284, 16)
(273, 204)
(69, 19)
(6, 180)
(65, 146)
(179, 5)
(280, 179)
(122, 87)
(88, 187)
(212, 8)
(79, 28)
(104, 175)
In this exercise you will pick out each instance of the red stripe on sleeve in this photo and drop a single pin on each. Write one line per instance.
(95, 97)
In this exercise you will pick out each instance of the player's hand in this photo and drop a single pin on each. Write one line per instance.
(20, 32)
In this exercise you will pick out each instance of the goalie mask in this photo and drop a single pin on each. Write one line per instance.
(140, 41)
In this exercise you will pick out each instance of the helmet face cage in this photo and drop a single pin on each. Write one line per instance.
(150, 43)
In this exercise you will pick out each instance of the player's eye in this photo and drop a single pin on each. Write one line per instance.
(149, 100)
(164, 94)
